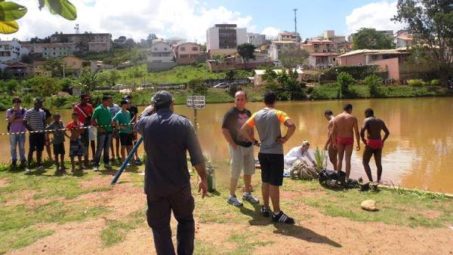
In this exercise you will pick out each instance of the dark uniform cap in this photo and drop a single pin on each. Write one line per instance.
(162, 98)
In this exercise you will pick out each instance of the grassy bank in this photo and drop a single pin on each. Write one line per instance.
(33, 205)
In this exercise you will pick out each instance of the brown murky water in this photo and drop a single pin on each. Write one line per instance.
(418, 153)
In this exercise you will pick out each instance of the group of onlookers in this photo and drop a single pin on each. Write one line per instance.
(89, 128)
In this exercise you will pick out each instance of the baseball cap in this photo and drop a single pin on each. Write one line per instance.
(162, 98)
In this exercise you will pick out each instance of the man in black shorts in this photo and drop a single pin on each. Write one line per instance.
(35, 122)
(267, 121)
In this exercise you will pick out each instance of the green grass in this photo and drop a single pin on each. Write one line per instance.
(15, 239)
(117, 230)
(51, 200)
(407, 208)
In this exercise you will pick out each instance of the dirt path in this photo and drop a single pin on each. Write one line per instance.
(314, 233)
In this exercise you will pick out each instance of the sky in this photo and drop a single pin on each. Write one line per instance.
(189, 19)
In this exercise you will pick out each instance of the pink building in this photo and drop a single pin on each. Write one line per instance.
(388, 60)
(188, 53)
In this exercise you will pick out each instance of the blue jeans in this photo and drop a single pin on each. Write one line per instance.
(17, 140)
(104, 141)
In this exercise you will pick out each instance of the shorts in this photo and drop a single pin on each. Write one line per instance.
(242, 158)
(115, 134)
(76, 148)
(92, 133)
(37, 141)
(58, 149)
(271, 168)
(126, 139)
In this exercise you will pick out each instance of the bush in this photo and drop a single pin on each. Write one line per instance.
(373, 82)
(357, 72)
(435, 82)
(416, 83)
(344, 80)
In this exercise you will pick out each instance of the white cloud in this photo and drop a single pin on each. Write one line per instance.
(188, 19)
(271, 32)
(374, 15)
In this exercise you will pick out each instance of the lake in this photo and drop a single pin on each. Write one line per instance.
(418, 153)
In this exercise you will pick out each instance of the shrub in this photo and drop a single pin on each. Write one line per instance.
(344, 80)
(373, 82)
(357, 72)
(435, 82)
(416, 83)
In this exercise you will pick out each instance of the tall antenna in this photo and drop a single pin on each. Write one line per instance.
(295, 20)
(76, 28)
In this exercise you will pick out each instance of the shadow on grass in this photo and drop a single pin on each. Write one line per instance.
(255, 214)
(304, 234)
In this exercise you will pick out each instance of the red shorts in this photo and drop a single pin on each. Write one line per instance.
(375, 143)
(345, 140)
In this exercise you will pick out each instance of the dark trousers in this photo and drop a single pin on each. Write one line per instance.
(104, 141)
(158, 216)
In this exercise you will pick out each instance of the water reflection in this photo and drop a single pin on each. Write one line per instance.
(418, 152)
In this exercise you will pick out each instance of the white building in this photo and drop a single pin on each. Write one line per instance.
(256, 39)
(160, 52)
(10, 51)
(225, 36)
(278, 46)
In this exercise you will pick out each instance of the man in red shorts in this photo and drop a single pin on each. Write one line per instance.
(344, 127)
(374, 143)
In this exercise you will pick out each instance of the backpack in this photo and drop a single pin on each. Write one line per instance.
(8, 126)
(332, 179)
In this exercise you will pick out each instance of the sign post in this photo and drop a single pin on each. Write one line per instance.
(195, 102)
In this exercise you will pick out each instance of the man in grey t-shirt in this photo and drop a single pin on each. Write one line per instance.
(267, 122)
(167, 137)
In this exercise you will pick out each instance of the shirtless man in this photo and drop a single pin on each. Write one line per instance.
(329, 146)
(373, 144)
(344, 127)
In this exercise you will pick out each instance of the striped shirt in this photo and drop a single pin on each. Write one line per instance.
(35, 119)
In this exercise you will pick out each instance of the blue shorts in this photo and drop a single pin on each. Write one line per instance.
(76, 148)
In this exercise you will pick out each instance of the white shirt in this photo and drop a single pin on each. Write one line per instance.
(296, 154)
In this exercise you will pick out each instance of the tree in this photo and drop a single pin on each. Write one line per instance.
(369, 38)
(43, 86)
(247, 52)
(291, 58)
(197, 87)
(55, 66)
(431, 23)
(114, 76)
(88, 79)
(10, 12)
(230, 75)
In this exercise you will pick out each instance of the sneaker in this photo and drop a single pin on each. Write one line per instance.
(27, 170)
(232, 200)
(40, 168)
(96, 168)
(281, 217)
(265, 211)
(138, 162)
(250, 198)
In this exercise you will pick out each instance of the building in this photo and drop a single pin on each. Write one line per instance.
(225, 36)
(17, 69)
(160, 56)
(10, 51)
(50, 50)
(403, 39)
(74, 65)
(288, 36)
(340, 42)
(256, 39)
(322, 53)
(86, 42)
(38, 68)
(388, 60)
(188, 53)
(277, 47)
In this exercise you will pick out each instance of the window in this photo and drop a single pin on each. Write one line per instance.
(194, 48)
(183, 49)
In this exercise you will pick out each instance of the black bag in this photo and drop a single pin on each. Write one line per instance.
(332, 179)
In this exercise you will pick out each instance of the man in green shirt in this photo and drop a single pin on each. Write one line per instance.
(123, 121)
(102, 120)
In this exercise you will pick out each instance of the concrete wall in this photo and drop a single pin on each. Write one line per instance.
(354, 60)
(390, 65)
(241, 36)
(162, 66)
(212, 38)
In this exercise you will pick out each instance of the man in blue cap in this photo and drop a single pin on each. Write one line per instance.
(167, 137)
